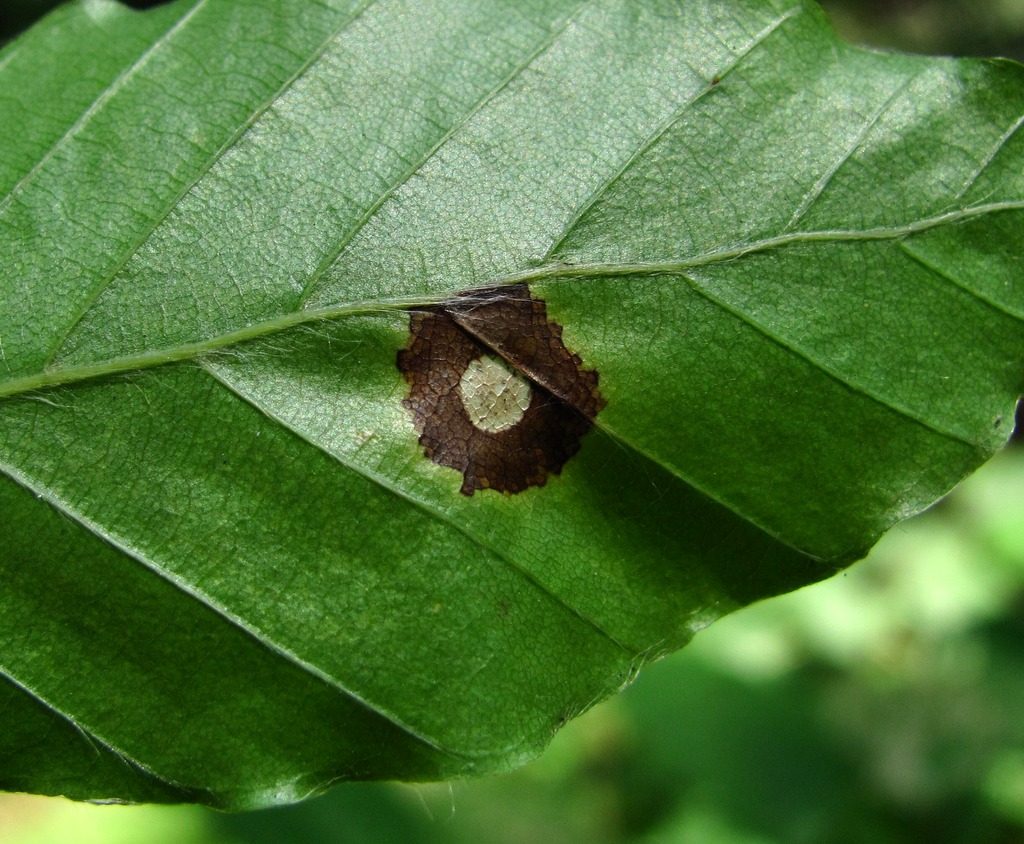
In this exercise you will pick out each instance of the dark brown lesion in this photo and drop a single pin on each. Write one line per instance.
(508, 323)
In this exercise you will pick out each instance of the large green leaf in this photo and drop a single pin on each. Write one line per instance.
(229, 571)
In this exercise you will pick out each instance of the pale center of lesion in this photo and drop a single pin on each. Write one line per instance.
(495, 397)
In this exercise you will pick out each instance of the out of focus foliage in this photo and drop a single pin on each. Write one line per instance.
(953, 27)
(17, 15)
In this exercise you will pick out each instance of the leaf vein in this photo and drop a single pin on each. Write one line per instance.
(819, 187)
(660, 131)
(627, 443)
(562, 270)
(205, 168)
(96, 742)
(822, 367)
(990, 157)
(194, 593)
(11, 52)
(416, 166)
(431, 510)
(108, 92)
(555, 271)
(947, 277)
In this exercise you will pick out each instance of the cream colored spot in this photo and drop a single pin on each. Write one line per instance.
(495, 397)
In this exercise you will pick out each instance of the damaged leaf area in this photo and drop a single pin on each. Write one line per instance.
(494, 392)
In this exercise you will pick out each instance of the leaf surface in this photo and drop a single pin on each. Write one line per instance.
(230, 572)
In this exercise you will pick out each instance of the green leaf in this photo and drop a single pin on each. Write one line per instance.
(230, 572)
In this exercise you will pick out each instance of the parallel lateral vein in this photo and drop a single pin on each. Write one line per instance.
(108, 92)
(188, 589)
(93, 738)
(626, 443)
(666, 125)
(432, 511)
(417, 166)
(911, 253)
(991, 156)
(819, 366)
(205, 168)
(819, 187)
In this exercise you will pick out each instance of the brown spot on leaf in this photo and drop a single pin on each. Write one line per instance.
(494, 392)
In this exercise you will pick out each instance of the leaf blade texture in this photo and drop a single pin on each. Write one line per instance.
(231, 574)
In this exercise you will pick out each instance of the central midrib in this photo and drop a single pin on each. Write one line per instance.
(64, 375)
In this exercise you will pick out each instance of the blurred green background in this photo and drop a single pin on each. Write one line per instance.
(884, 705)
